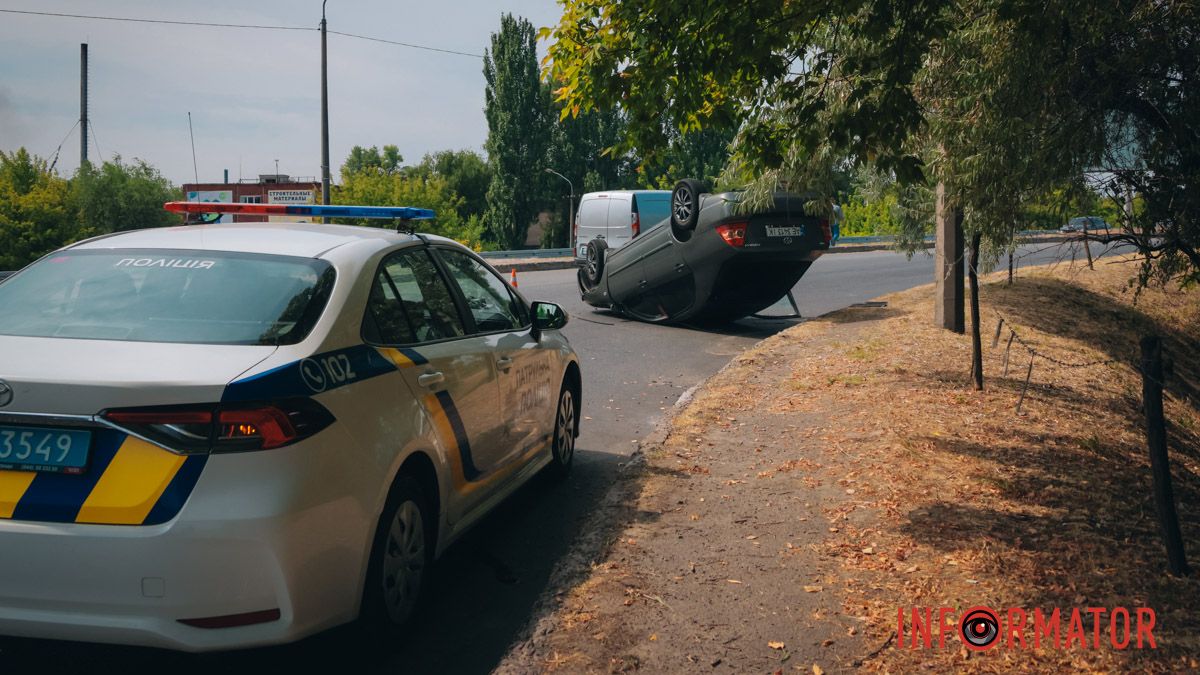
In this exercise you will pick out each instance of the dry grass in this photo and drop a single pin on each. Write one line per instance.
(960, 501)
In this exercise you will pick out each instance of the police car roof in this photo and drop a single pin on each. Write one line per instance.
(307, 240)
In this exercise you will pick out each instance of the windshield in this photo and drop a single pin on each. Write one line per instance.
(202, 297)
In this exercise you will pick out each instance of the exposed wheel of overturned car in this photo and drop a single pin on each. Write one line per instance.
(685, 207)
(593, 268)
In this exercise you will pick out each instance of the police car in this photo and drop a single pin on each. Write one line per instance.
(233, 435)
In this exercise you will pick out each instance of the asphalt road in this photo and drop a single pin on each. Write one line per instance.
(483, 590)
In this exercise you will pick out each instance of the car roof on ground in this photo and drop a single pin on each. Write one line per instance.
(308, 240)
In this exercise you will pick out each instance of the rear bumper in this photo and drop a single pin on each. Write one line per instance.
(254, 537)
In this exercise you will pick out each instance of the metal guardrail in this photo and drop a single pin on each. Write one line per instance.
(567, 252)
(529, 253)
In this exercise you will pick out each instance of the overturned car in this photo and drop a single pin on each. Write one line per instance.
(708, 262)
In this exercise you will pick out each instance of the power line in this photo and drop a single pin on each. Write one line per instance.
(163, 21)
(209, 24)
(405, 44)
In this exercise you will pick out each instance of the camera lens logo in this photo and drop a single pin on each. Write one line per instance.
(979, 628)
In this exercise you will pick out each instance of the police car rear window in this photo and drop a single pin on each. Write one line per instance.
(201, 297)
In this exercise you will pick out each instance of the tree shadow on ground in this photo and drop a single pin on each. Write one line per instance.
(1112, 327)
(1074, 520)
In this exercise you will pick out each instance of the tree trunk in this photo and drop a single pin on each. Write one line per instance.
(976, 340)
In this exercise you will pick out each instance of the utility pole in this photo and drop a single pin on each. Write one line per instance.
(324, 113)
(83, 104)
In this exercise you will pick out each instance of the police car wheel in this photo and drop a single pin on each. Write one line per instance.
(564, 433)
(399, 559)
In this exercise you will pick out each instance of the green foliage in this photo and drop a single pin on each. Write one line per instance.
(386, 161)
(466, 174)
(35, 213)
(517, 109)
(117, 196)
(40, 211)
(369, 187)
(699, 154)
(1003, 101)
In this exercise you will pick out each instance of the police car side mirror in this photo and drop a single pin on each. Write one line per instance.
(547, 316)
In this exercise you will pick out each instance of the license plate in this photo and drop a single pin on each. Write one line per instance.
(785, 231)
(41, 449)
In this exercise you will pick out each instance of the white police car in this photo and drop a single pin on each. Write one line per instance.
(233, 435)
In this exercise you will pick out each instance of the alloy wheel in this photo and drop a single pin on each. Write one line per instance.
(564, 429)
(403, 561)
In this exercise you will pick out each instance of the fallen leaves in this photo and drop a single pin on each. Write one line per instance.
(775, 645)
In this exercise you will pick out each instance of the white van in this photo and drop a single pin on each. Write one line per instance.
(617, 217)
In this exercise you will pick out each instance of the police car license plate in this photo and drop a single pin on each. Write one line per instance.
(785, 231)
(41, 449)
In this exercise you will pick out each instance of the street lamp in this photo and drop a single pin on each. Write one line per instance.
(570, 206)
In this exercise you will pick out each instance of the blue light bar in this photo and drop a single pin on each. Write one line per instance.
(389, 212)
(317, 210)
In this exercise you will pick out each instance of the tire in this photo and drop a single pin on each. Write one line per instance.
(685, 204)
(593, 269)
(562, 448)
(403, 546)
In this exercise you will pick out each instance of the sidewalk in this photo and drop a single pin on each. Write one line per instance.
(845, 468)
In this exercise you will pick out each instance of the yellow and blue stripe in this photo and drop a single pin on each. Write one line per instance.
(448, 424)
(127, 482)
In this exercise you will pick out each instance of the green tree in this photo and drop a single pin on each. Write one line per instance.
(118, 196)
(998, 100)
(35, 216)
(466, 173)
(369, 187)
(517, 109)
(699, 154)
(386, 161)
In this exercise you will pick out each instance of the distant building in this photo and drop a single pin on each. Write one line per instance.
(268, 188)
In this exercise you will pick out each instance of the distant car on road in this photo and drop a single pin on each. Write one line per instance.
(233, 435)
(707, 262)
(618, 217)
(1092, 223)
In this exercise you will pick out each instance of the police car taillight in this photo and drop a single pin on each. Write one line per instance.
(224, 428)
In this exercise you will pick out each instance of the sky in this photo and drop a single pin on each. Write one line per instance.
(254, 95)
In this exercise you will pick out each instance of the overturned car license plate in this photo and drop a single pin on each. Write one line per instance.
(785, 231)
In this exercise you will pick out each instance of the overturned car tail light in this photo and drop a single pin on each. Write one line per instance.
(734, 234)
(218, 428)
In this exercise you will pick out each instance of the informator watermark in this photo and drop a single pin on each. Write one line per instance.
(983, 628)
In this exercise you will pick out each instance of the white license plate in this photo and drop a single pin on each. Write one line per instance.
(785, 231)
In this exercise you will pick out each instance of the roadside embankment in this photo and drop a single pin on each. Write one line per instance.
(846, 468)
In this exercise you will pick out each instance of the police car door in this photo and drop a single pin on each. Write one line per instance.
(527, 393)
(413, 315)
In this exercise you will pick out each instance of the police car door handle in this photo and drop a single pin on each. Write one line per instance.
(504, 363)
(430, 379)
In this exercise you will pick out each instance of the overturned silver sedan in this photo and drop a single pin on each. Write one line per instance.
(708, 262)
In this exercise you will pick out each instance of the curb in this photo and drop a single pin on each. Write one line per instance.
(592, 543)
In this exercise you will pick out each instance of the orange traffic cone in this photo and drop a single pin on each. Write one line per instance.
(514, 278)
